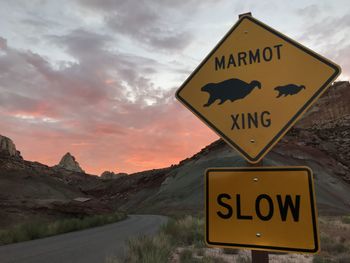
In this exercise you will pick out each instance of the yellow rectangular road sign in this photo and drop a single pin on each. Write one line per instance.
(262, 208)
(254, 85)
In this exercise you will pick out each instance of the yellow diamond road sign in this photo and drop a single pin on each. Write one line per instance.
(261, 208)
(254, 85)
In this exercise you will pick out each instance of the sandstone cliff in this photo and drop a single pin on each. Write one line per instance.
(8, 148)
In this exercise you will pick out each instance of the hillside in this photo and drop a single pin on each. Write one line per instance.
(33, 191)
(330, 109)
(180, 189)
(320, 141)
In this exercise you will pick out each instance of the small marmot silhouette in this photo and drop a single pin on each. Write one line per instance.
(290, 89)
(231, 89)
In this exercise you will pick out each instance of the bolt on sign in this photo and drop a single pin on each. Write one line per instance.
(261, 208)
(254, 85)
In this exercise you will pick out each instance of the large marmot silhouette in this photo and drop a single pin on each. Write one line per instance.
(290, 89)
(231, 89)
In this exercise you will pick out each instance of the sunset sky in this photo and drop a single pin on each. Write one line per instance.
(97, 78)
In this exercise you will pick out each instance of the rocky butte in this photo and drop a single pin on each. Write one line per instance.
(68, 162)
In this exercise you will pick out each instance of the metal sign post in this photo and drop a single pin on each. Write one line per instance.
(258, 256)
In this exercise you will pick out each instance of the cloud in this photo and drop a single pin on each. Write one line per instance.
(153, 34)
(327, 29)
(39, 22)
(114, 73)
(342, 58)
(327, 34)
(104, 107)
(309, 11)
(154, 24)
(81, 43)
(3, 43)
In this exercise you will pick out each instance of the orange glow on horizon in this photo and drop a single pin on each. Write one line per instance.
(114, 148)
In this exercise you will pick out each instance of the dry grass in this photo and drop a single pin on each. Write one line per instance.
(34, 230)
(187, 231)
(230, 251)
(182, 241)
(345, 219)
(335, 240)
(147, 249)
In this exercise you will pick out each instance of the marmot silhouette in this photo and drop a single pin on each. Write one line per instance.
(231, 89)
(290, 89)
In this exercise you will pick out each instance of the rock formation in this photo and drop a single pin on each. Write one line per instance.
(8, 148)
(332, 109)
(111, 175)
(68, 162)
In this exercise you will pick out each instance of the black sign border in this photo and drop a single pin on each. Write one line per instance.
(273, 248)
(289, 124)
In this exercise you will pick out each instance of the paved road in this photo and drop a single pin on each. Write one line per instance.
(88, 246)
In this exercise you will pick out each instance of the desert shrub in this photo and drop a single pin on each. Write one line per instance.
(345, 219)
(339, 248)
(22, 232)
(210, 259)
(205, 259)
(243, 259)
(69, 225)
(321, 259)
(36, 229)
(186, 231)
(344, 259)
(186, 256)
(180, 232)
(112, 259)
(230, 251)
(66, 225)
(146, 249)
(200, 252)
(332, 246)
